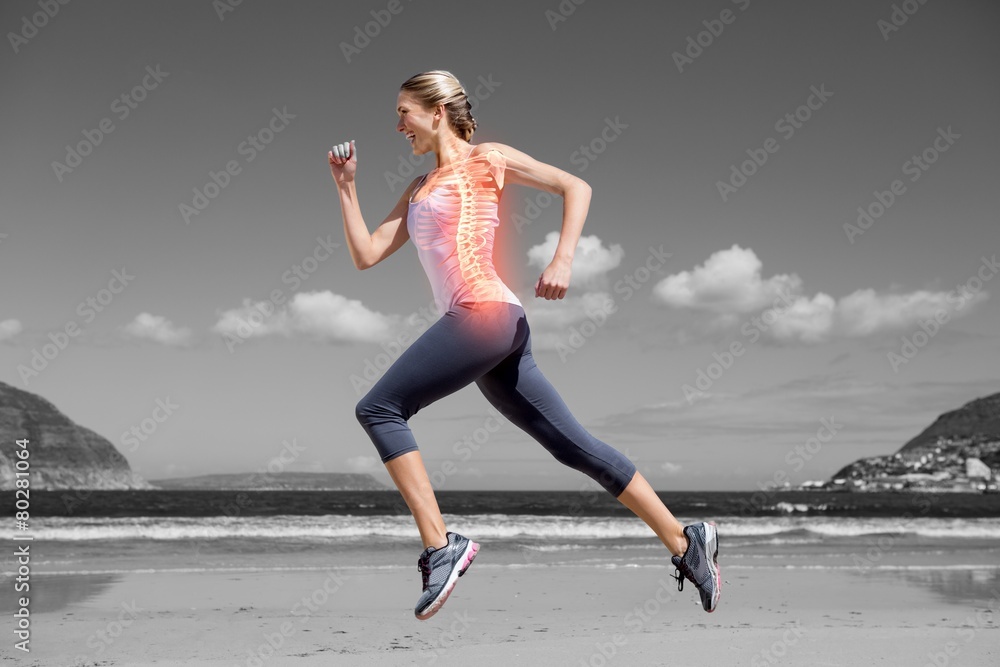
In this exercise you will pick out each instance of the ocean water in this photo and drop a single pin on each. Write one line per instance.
(748, 504)
(112, 532)
(85, 542)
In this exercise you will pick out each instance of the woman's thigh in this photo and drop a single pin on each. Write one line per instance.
(462, 345)
(519, 390)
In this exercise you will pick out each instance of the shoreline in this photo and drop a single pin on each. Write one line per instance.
(567, 615)
(260, 597)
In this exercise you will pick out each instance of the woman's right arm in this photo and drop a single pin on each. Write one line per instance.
(366, 249)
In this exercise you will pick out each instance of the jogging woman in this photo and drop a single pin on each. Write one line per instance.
(483, 335)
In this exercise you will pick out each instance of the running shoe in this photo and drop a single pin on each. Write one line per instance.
(700, 563)
(441, 568)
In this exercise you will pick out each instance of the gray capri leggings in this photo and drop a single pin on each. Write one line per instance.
(490, 343)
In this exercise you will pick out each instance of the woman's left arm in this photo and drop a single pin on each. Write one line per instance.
(576, 192)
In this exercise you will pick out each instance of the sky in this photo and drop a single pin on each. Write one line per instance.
(788, 263)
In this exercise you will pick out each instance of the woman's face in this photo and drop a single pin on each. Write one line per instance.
(414, 121)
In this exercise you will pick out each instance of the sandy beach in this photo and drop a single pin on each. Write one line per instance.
(578, 612)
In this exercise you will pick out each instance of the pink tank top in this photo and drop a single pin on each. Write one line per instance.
(452, 228)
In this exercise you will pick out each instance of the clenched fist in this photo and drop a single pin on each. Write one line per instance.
(343, 162)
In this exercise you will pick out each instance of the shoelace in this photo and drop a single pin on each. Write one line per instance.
(679, 575)
(424, 566)
(683, 570)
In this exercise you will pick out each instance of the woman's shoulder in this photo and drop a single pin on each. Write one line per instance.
(490, 159)
(486, 147)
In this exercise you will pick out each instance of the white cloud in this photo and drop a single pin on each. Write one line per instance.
(730, 287)
(561, 313)
(670, 468)
(319, 315)
(9, 329)
(362, 463)
(728, 282)
(808, 320)
(553, 323)
(591, 260)
(864, 311)
(588, 298)
(157, 329)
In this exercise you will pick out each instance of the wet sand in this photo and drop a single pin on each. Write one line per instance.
(504, 612)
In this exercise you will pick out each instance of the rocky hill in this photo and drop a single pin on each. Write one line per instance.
(960, 451)
(282, 481)
(978, 419)
(62, 454)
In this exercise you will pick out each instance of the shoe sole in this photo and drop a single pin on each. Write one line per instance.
(467, 557)
(712, 541)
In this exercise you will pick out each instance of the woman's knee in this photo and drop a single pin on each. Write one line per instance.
(370, 407)
(361, 411)
(608, 467)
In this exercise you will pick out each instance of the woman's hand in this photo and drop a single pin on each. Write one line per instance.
(554, 281)
(343, 162)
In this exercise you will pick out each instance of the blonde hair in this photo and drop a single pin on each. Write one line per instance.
(442, 87)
